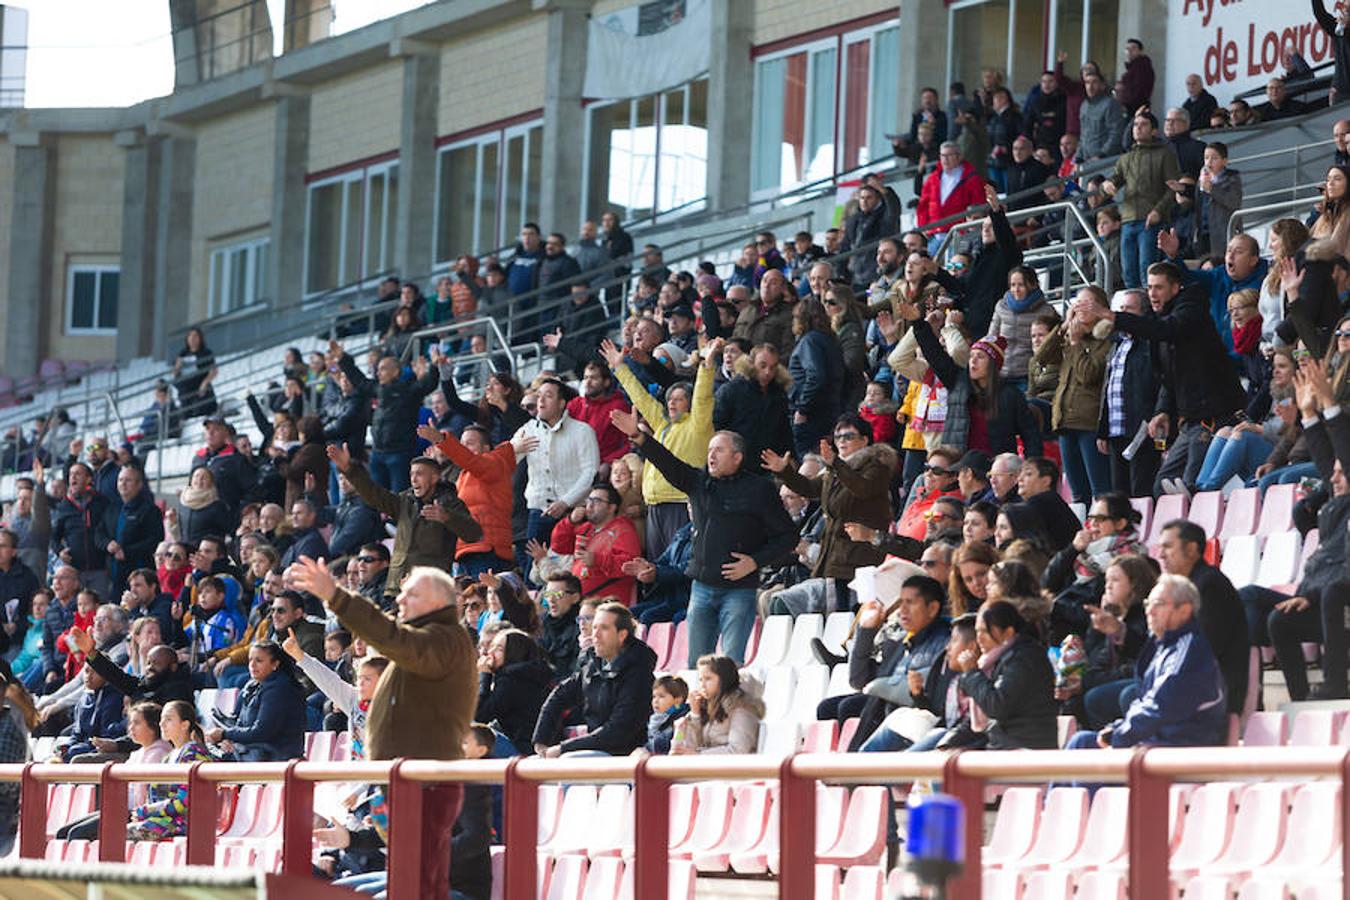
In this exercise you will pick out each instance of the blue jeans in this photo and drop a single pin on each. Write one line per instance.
(1107, 702)
(389, 469)
(1086, 467)
(1138, 251)
(1289, 475)
(1229, 456)
(476, 564)
(713, 611)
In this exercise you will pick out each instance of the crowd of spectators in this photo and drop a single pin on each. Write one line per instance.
(844, 426)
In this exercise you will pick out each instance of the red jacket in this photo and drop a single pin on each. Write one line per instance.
(595, 413)
(969, 192)
(610, 547)
(485, 487)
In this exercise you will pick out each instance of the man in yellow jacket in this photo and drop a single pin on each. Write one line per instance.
(683, 426)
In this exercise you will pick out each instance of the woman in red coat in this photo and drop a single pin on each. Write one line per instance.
(485, 487)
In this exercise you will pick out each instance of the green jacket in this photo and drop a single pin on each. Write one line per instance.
(1141, 177)
(1082, 372)
(424, 702)
(419, 541)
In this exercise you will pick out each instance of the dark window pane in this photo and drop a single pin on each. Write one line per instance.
(82, 300)
(109, 285)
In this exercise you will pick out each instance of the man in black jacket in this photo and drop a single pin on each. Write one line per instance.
(305, 529)
(348, 423)
(354, 521)
(611, 693)
(878, 216)
(77, 530)
(739, 526)
(393, 431)
(580, 328)
(17, 583)
(1025, 172)
(619, 245)
(1182, 552)
(754, 404)
(134, 527)
(1200, 392)
(1038, 485)
(234, 473)
(144, 598)
(559, 629)
(554, 269)
(1128, 393)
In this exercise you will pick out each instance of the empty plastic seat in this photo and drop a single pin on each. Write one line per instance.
(812, 684)
(683, 803)
(773, 642)
(846, 733)
(1061, 830)
(1258, 830)
(754, 860)
(839, 685)
(575, 820)
(1102, 885)
(1313, 836)
(1240, 559)
(319, 746)
(678, 657)
(568, 879)
(711, 823)
(1000, 884)
(1262, 889)
(1209, 887)
(836, 629)
(680, 880)
(602, 879)
(827, 882)
(1168, 507)
(1067, 727)
(778, 685)
(749, 818)
(1206, 827)
(1240, 514)
(1266, 729)
(550, 804)
(1053, 884)
(804, 628)
(1277, 509)
(658, 638)
(612, 831)
(1019, 815)
(1314, 728)
(863, 883)
(1144, 506)
(779, 738)
(1279, 558)
(863, 840)
(1106, 838)
(819, 737)
(1206, 510)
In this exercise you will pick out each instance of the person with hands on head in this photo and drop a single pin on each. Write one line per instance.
(423, 704)
(429, 516)
(739, 524)
(683, 426)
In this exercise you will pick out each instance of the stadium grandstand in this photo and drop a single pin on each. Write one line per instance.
(594, 450)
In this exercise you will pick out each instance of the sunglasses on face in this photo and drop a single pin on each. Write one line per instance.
(1343, 333)
(937, 470)
(1098, 518)
(847, 436)
(367, 559)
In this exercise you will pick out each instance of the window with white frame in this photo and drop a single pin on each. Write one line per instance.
(349, 234)
(239, 275)
(91, 299)
(800, 130)
(487, 186)
(648, 154)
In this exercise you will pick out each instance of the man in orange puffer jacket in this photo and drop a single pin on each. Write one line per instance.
(484, 485)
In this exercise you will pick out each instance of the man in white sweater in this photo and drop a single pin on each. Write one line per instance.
(561, 466)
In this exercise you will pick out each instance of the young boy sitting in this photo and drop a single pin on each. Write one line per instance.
(670, 703)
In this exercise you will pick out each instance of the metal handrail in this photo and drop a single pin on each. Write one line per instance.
(1148, 772)
(1235, 223)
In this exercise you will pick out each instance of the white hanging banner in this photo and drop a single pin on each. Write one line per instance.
(647, 48)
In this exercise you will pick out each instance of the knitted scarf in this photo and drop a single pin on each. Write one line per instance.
(1247, 338)
(1025, 304)
(197, 498)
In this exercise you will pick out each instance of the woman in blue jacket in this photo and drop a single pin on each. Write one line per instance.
(271, 723)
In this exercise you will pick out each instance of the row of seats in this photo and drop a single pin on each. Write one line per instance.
(716, 825)
(168, 853)
(1242, 512)
(775, 641)
(1230, 830)
(604, 878)
(1309, 728)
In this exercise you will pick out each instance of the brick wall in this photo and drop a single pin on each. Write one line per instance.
(779, 19)
(355, 116)
(492, 75)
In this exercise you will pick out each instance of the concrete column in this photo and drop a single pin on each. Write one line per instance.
(413, 229)
(564, 119)
(177, 172)
(31, 292)
(1147, 21)
(286, 280)
(923, 55)
(730, 75)
(140, 210)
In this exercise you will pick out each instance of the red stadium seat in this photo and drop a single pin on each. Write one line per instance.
(1240, 514)
(1277, 509)
(1207, 511)
(863, 841)
(1061, 830)
(1266, 729)
(1019, 815)
(658, 638)
(749, 818)
(863, 883)
(1206, 828)
(568, 879)
(1168, 507)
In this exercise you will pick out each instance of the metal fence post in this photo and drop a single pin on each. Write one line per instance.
(969, 790)
(796, 833)
(297, 823)
(405, 835)
(203, 813)
(1150, 830)
(112, 816)
(32, 815)
(521, 824)
(651, 846)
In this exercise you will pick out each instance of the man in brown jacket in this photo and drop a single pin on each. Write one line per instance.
(424, 702)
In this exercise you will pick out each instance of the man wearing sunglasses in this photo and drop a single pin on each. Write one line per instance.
(939, 480)
(282, 614)
(372, 566)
